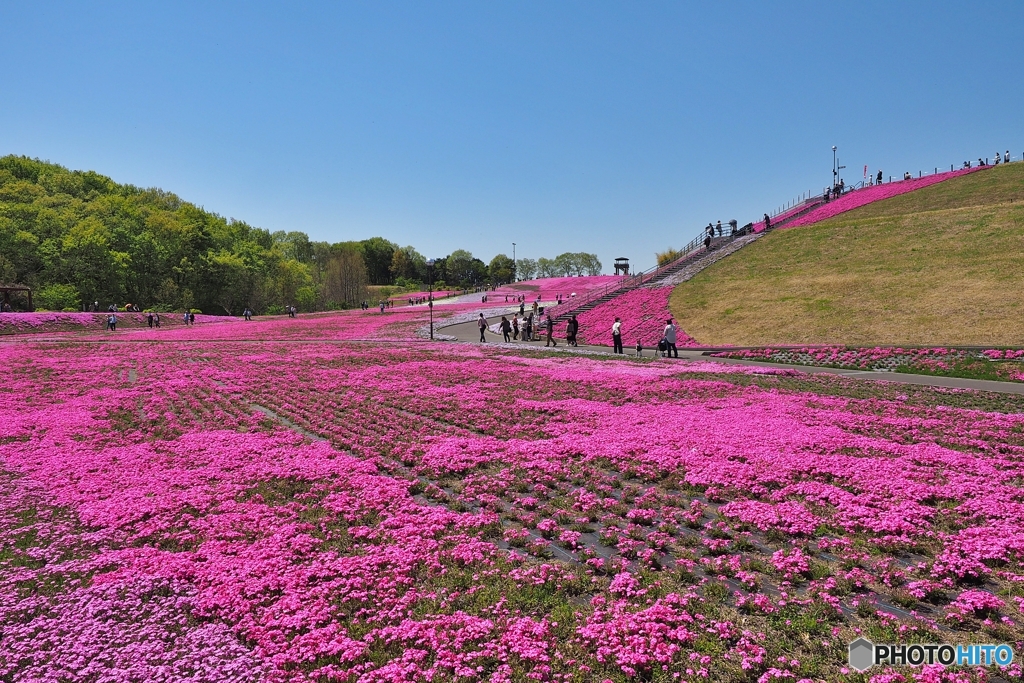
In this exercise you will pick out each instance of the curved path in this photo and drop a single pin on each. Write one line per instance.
(468, 332)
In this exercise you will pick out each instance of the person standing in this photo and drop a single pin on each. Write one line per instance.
(707, 243)
(617, 335)
(156, 320)
(515, 326)
(718, 228)
(482, 324)
(767, 223)
(1006, 157)
(878, 178)
(506, 329)
(670, 339)
(191, 318)
(184, 318)
(575, 329)
(149, 320)
(112, 322)
(551, 330)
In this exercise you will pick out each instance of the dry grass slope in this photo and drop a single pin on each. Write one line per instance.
(943, 265)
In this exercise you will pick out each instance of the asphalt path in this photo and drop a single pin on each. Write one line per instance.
(470, 333)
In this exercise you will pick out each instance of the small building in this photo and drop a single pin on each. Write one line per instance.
(5, 296)
(622, 266)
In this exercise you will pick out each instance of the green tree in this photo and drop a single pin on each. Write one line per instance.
(547, 268)
(501, 269)
(377, 255)
(526, 268)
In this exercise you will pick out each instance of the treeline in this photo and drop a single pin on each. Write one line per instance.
(77, 237)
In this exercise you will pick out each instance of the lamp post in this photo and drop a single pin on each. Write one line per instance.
(430, 295)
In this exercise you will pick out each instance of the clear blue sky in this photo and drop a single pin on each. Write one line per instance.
(618, 128)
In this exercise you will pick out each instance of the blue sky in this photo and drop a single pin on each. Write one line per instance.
(617, 128)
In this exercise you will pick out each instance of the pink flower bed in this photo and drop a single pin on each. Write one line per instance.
(253, 508)
(549, 288)
(643, 313)
(11, 323)
(878, 358)
(875, 193)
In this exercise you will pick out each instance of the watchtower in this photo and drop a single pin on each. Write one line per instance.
(622, 266)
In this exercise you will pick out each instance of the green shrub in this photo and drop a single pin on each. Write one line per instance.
(57, 297)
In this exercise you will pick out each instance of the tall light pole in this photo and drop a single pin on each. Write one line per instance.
(430, 295)
(514, 278)
(835, 167)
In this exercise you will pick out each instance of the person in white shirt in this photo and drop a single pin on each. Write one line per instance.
(670, 339)
(617, 336)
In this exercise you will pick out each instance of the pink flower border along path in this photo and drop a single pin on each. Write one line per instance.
(1006, 365)
(868, 195)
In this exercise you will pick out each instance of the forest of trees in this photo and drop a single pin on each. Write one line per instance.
(76, 237)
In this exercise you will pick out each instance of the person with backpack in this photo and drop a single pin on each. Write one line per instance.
(617, 336)
(670, 339)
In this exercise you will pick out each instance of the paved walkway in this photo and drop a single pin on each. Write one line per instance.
(468, 332)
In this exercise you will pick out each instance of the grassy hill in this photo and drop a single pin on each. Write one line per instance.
(942, 265)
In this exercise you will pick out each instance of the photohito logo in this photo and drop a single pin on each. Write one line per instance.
(864, 654)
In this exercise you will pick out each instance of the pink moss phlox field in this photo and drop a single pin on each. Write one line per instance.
(872, 194)
(270, 502)
(46, 322)
(551, 287)
(643, 313)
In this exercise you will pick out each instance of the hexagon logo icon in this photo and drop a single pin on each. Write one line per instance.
(862, 654)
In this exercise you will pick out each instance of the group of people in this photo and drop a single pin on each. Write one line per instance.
(666, 345)
(515, 329)
(984, 162)
(417, 300)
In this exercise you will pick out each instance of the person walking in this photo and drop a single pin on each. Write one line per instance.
(184, 318)
(878, 178)
(528, 329)
(767, 223)
(191, 318)
(617, 336)
(670, 339)
(575, 329)
(506, 329)
(707, 243)
(156, 320)
(112, 322)
(515, 326)
(149, 320)
(482, 324)
(551, 330)
(1006, 157)
(718, 228)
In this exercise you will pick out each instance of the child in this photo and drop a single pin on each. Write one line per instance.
(639, 349)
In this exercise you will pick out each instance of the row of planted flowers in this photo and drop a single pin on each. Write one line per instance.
(998, 363)
(310, 511)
